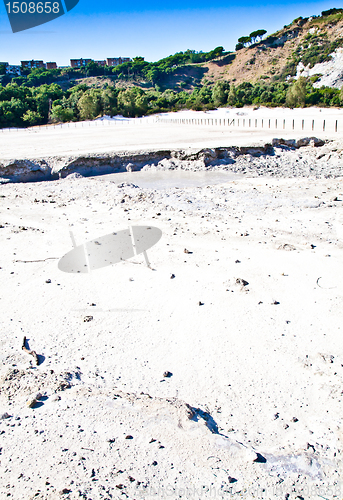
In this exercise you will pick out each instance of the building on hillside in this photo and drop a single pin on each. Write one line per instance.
(13, 70)
(51, 65)
(101, 63)
(32, 64)
(115, 61)
(79, 63)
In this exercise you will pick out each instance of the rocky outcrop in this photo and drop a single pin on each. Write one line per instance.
(230, 158)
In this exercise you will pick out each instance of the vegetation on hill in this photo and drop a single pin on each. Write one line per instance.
(259, 73)
(24, 106)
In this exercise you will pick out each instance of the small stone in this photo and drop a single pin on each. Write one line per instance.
(186, 251)
(4, 416)
(154, 462)
(48, 281)
(86, 319)
(128, 437)
(295, 419)
(201, 303)
(65, 491)
(287, 247)
(237, 261)
(240, 281)
(275, 303)
(167, 374)
(172, 276)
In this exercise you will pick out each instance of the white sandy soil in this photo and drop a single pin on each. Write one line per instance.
(248, 324)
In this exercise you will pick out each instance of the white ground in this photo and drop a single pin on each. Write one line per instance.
(260, 365)
(142, 134)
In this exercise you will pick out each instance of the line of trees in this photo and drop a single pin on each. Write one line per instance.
(255, 36)
(154, 72)
(22, 106)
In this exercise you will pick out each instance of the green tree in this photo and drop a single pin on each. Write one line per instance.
(61, 114)
(245, 40)
(220, 93)
(32, 118)
(254, 35)
(341, 95)
(109, 101)
(89, 105)
(232, 97)
(296, 94)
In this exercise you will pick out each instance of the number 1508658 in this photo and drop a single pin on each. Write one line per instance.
(33, 7)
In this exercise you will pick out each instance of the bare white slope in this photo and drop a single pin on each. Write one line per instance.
(331, 71)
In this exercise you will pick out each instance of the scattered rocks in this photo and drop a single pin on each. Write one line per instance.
(287, 247)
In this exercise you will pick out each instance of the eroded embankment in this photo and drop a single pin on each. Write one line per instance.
(282, 158)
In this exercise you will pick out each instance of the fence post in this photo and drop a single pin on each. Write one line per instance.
(336, 126)
(323, 125)
(302, 124)
(293, 125)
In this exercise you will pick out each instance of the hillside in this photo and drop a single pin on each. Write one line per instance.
(306, 41)
(311, 43)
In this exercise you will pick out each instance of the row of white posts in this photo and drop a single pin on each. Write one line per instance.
(313, 125)
(85, 124)
(287, 124)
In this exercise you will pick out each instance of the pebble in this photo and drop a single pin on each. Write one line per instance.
(86, 319)
(167, 374)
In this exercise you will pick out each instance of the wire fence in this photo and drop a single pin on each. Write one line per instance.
(326, 125)
(286, 124)
(85, 124)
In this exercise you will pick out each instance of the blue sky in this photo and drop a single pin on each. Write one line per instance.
(151, 29)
